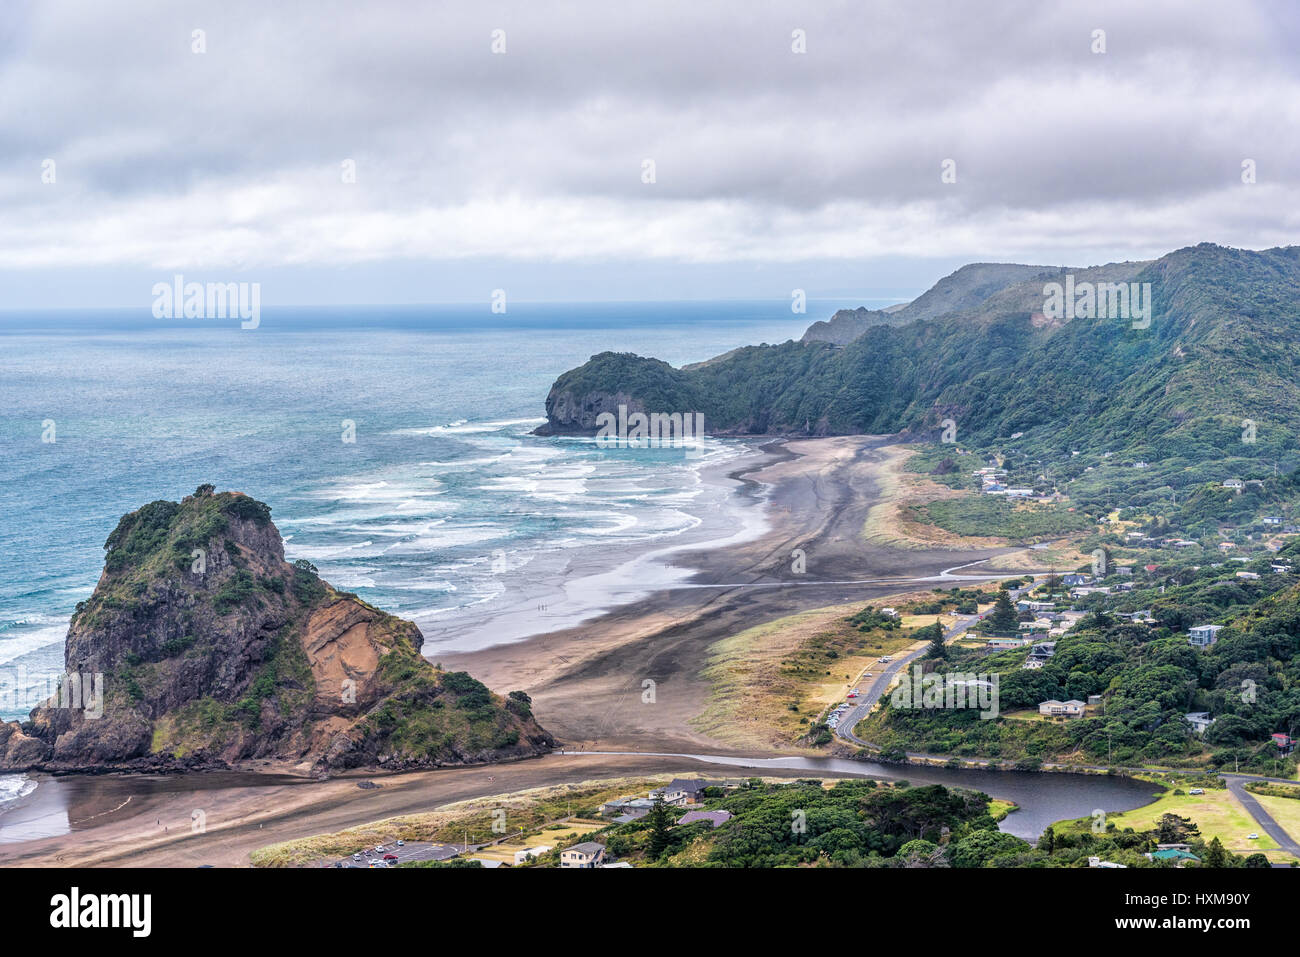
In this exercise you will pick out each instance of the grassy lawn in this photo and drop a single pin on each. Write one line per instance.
(1216, 812)
(1286, 811)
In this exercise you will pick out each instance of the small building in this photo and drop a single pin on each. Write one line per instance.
(716, 818)
(681, 791)
(1075, 578)
(586, 854)
(1098, 862)
(1199, 720)
(1062, 709)
(522, 857)
(1235, 485)
(1283, 741)
(1248, 576)
(1202, 636)
(1175, 854)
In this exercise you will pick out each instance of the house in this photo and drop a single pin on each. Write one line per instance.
(1280, 569)
(1125, 570)
(1006, 642)
(1175, 854)
(1202, 636)
(1094, 701)
(1043, 650)
(489, 862)
(522, 857)
(681, 791)
(1075, 578)
(1283, 741)
(1271, 520)
(1062, 709)
(636, 807)
(1032, 664)
(1098, 862)
(1226, 546)
(1235, 484)
(716, 818)
(1249, 576)
(617, 864)
(1199, 720)
(586, 854)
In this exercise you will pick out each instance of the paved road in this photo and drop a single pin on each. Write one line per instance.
(863, 704)
(1236, 784)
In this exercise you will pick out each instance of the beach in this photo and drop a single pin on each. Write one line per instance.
(624, 679)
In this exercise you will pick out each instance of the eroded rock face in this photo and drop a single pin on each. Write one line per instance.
(201, 647)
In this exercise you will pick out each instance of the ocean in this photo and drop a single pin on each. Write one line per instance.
(444, 507)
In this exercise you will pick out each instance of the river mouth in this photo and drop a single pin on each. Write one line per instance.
(65, 805)
(1042, 798)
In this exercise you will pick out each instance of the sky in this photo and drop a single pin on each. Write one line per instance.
(506, 145)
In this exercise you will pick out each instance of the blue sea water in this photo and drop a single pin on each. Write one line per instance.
(443, 488)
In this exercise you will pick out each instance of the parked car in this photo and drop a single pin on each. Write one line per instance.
(1196, 791)
(390, 857)
(1252, 837)
(379, 849)
(356, 857)
(401, 844)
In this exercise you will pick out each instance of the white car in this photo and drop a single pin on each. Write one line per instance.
(886, 659)
(379, 849)
(1252, 837)
(401, 844)
(1196, 791)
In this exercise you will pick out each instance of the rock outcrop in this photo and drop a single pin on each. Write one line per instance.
(202, 648)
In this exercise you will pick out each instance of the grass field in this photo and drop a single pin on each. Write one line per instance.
(769, 680)
(1216, 812)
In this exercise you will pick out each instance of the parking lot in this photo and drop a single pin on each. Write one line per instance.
(410, 851)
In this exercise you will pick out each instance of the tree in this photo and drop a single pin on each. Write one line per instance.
(660, 821)
(1257, 860)
(1215, 855)
(1048, 841)
(1004, 618)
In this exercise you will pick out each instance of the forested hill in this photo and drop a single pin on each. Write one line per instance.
(1222, 346)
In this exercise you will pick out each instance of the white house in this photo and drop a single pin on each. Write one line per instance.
(1202, 636)
(1199, 720)
(586, 854)
(522, 857)
(1062, 709)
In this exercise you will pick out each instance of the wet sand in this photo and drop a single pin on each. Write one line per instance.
(589, 683)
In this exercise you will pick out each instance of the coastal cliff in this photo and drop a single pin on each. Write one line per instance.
(1208, 345)
(201, 647)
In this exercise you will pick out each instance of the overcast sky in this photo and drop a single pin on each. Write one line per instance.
(523, 170)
